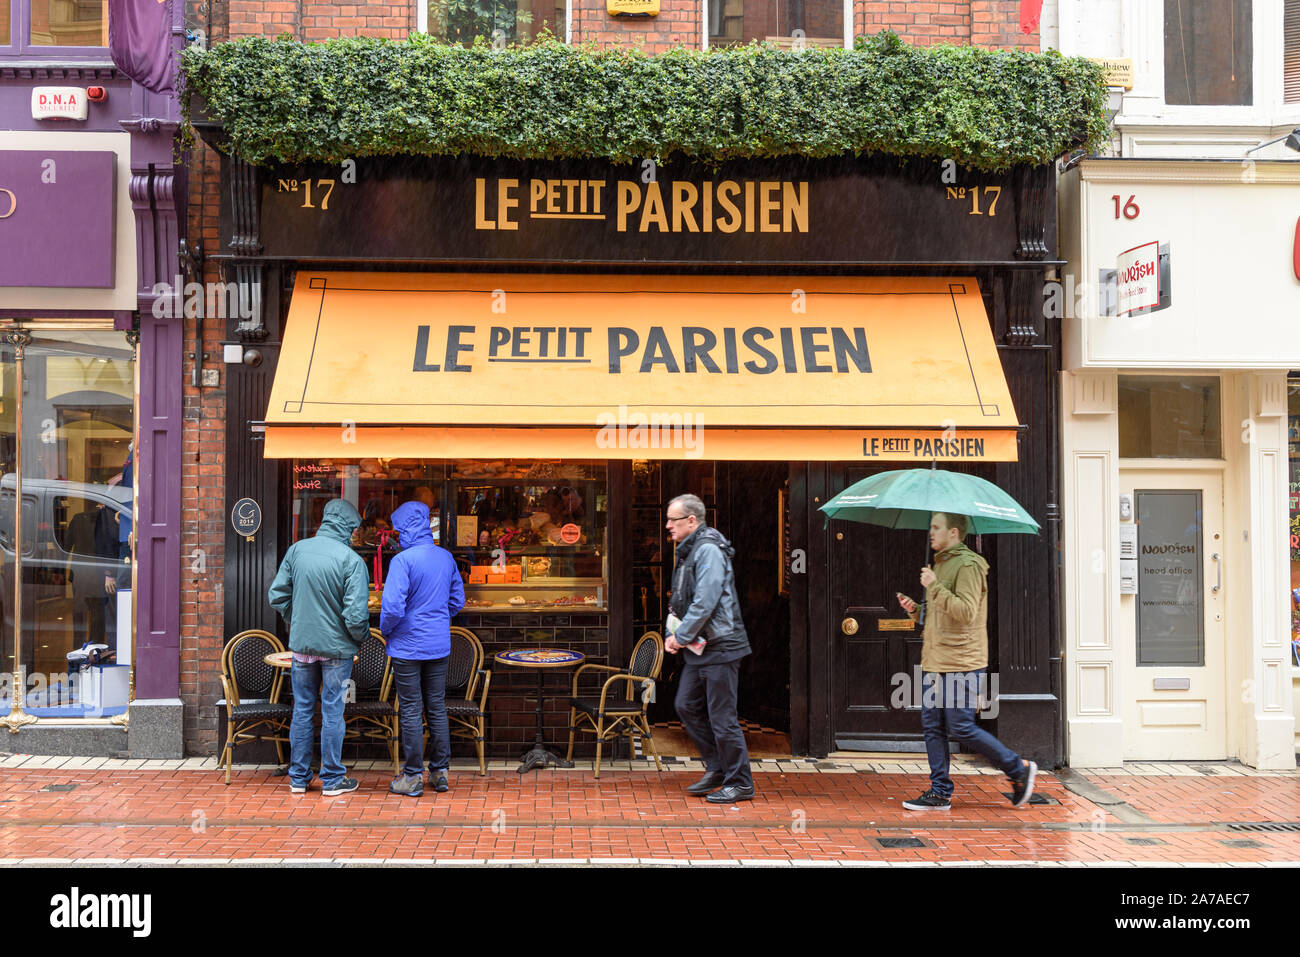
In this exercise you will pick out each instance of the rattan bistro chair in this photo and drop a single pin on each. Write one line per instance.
(610, 716)
(466, 702)
(251, 690)
(372, 715)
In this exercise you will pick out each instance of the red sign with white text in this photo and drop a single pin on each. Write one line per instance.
(1139, 278)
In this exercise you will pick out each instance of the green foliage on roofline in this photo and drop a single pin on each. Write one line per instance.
(287, 101)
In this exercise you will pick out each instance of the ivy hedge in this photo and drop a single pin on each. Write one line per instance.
(287, 101)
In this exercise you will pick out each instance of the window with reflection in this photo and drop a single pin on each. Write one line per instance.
(1170, 417)
(513, 21)
(1208, 53)
(69, 23)
(77, 493)
(785, 23)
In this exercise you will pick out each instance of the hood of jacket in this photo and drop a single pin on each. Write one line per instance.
(339, 521)
(962, 555)
(705, 533)
(411, 519)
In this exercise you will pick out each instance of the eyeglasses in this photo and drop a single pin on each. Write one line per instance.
(679, 518)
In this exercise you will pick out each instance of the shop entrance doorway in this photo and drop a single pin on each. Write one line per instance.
(876, 647)
(875, 660)
(742, 499)
(1171, 632)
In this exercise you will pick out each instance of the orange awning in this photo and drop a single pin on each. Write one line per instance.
(741, 368)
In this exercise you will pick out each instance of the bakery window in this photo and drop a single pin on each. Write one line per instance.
(527, 534)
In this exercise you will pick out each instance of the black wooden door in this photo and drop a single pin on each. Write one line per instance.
(873, 668)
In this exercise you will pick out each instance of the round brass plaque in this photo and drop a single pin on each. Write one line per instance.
(849, 626)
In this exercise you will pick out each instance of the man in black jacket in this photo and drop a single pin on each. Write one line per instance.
(704, 598)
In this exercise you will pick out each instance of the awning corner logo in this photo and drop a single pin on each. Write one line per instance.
(76, 910)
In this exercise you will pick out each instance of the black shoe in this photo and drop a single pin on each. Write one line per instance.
(731, 794)
(343, 787)
(711, 781)
(929, 801)
(1022, 788)
(439, 782)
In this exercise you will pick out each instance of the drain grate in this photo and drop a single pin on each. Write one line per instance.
(900, 842)
(1242, 842)
(1266, 826)
(59, 787)
(1143, 841)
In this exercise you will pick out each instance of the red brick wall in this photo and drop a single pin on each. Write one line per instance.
(203, 478)
(678, 25)
(988, 23)
(985, 23)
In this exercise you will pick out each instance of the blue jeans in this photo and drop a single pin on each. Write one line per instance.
(329, 678)
(421, 691)
(948, 705)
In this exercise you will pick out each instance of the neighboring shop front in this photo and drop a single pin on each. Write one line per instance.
(1179, 308)
(90, 400)
(547, 353)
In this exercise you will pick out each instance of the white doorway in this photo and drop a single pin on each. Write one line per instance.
(1171, 646)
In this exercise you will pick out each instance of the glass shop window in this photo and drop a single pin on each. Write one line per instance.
(1164, 417)
(514, 21)
(1208, 53)
(78, 487)
(784, 23)
(69, 23)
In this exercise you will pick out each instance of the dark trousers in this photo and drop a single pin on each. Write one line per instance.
(421, 692)
(706, 703)
(949, 702)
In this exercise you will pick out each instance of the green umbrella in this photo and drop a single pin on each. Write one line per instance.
(904, 498)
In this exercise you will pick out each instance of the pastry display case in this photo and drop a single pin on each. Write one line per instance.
(527, 534)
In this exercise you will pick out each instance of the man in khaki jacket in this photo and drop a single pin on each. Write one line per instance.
(954, 659)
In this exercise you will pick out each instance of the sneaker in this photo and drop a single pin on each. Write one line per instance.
(297, 788)
(411, 785)
(1022, 788)
(439, 782)
(343, 787)
(929, 801)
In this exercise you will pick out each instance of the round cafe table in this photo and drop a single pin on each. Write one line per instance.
(540, 660)
(279, 659)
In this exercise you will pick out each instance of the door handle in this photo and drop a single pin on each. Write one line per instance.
(849, 626)
(1218, 569)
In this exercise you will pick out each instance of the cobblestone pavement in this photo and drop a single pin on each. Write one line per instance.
(835, 812)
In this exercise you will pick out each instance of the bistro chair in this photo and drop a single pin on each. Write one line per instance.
(251, 694)
(611, 716)
(466, 703)
(372, 715)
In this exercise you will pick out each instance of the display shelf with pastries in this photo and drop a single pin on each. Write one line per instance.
(527, 534)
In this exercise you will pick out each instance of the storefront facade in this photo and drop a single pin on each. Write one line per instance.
(548, 352)
(1178, 542)
(91, 396)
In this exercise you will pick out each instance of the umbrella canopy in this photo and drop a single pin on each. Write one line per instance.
(904, 498)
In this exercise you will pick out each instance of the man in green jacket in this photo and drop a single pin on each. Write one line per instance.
(954, 659)
(320, 591)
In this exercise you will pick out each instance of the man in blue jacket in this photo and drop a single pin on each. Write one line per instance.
(320, 591)
(422, 593)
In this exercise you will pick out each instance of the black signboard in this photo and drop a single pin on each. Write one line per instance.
(246, 517)
(846, 210)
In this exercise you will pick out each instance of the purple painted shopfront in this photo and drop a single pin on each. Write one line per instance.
(90, 223)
